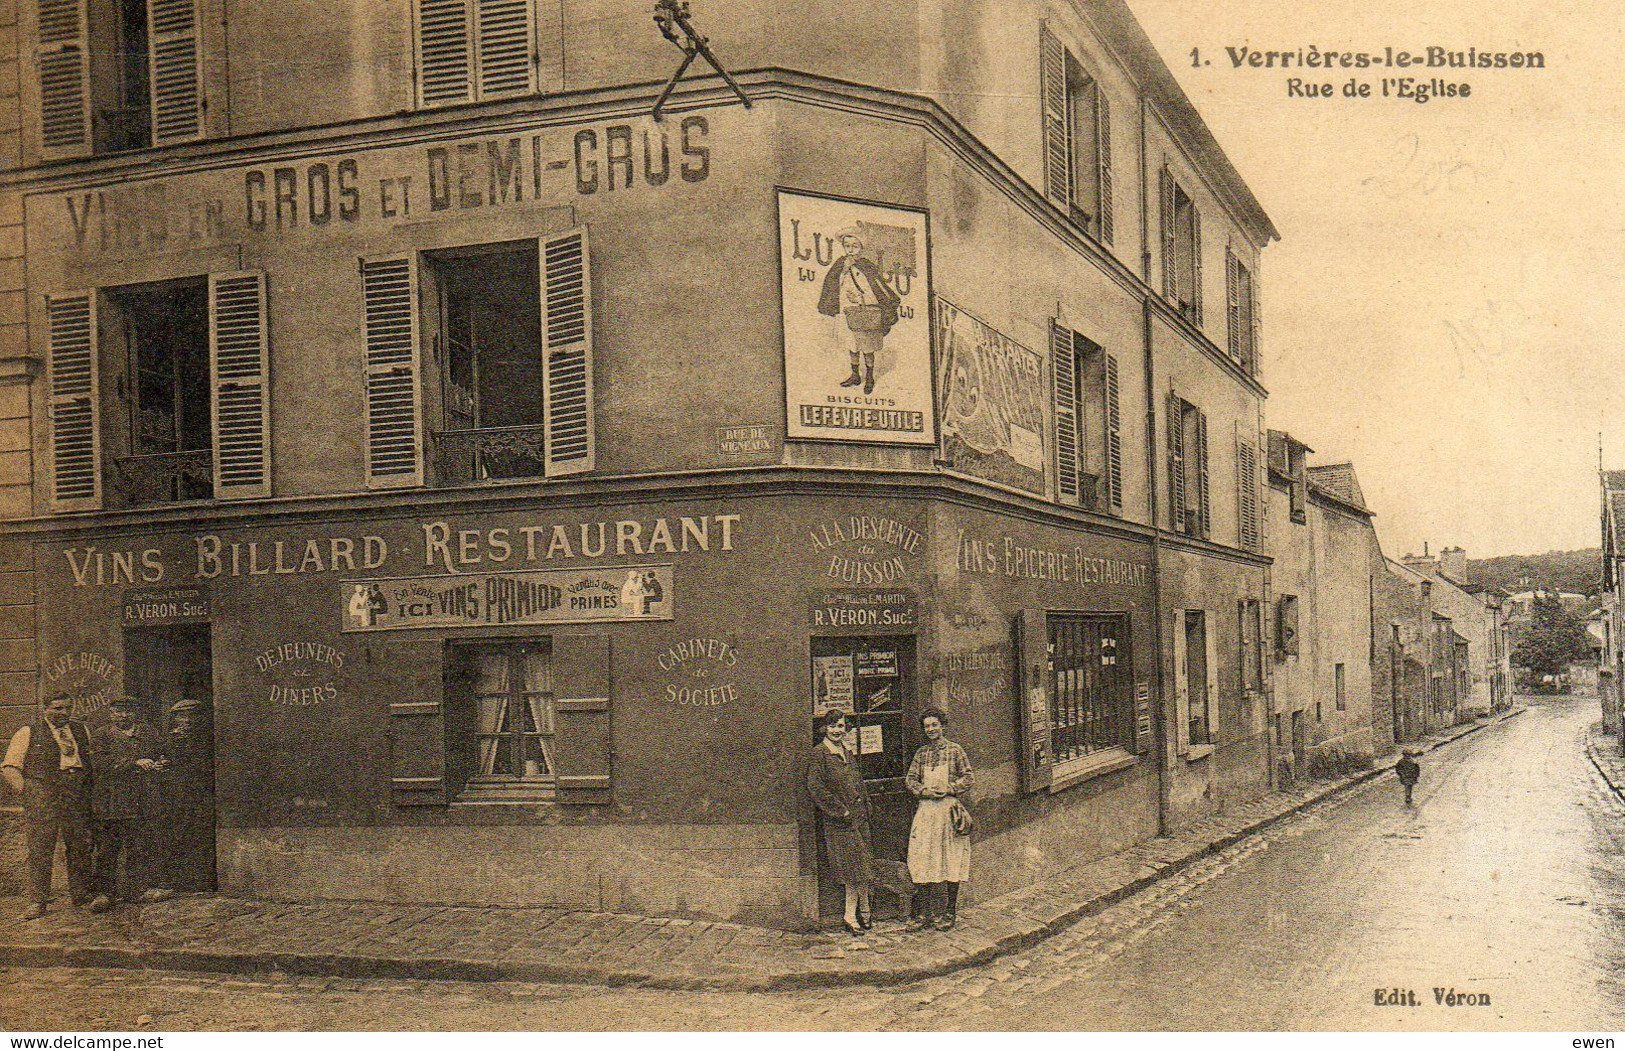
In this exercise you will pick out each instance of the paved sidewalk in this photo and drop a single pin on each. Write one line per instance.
(366, 939)
(1603, 751)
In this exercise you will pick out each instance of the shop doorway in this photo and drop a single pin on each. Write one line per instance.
(171, 672)
(873, 678)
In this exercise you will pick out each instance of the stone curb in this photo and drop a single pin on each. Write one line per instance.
(717, 977)
(1605, 769)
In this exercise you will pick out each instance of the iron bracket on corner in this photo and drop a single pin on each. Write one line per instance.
(672, 16)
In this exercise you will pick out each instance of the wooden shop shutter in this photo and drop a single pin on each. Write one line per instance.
(582, 744)
(1196, 265)
(1103, 157)
(1170, 268)
(445, 55)
(567, 347)
(63, 57)
(1205, 508)
(1114, 433)
(239, 365)
(76, 479)
(1210, 637)
(1063, 368)
(417, 752)
(175, 64)
(1176, 461)
(1032, 699)
(504, 56)
(393, 389)
(1232, 285)
(1182, 686)
(1247, 490)
(1057, 126)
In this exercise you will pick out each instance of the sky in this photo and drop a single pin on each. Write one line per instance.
(1444, 305)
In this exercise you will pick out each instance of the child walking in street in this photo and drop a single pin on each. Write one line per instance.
(1409, 771)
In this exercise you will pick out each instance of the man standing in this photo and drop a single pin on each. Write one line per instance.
(184, 825)
(125, 757)
(48, 764)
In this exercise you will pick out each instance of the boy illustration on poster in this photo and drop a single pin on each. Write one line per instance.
(855, 288)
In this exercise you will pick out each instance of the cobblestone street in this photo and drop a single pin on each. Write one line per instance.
(1504, 882)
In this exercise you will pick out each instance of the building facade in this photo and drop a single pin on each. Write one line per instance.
(1477, 615)
(517, 475)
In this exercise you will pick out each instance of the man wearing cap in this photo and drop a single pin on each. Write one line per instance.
(186, 794)
(48, 764)
(855, 287)
(125, 757)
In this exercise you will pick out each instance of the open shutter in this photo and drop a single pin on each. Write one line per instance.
(417, 722)
(445, 55)
(1182, 686)
(1063, 366)
(393, 391)
(1057, 128)
(1176, 462)
(239, 367)
(175, 64)
(1210, 638)
(567, 345)
(1204, 507)
(503, 47)
(1103, 147)
(1196, 265)
(1032, 699)
(63, 59)
(1286, 626)
(581, 741)
(1247, 492)
(1256, 350)
(1232, 285)
(76, 479)
(1114, 433)
(1170, 267)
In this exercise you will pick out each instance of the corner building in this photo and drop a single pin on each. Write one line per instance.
(516, 476)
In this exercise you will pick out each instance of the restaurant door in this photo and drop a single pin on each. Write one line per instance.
(873, 678)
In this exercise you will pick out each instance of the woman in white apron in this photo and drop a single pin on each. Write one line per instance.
(938, 855)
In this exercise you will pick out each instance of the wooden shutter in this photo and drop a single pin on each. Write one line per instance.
(1286, 625)
(1210, 633)
(1182, 686)
(239, 368)
(1247, 493)
(76, 477)
(1196, 265)
(1176, 461)
(1103, 158)
(504, 55)
(393, 388)
(445, 55)
(63, 58)
(567, 346)
(1204, 507)
(1170, 267)
(1032, 699)
(176, 71)
(1057, 126)
(1232, 285)
(1114, 433)
(1063, 368)
(417, 722)
(1254, 352)
(582, 744)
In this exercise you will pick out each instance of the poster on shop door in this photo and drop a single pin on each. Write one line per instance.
(855, 280)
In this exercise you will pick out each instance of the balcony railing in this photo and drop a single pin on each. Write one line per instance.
(161, 478)
(483, 454)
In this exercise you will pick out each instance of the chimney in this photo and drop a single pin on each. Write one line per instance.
(1453, 563)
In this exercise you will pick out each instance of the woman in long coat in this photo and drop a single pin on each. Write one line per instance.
(836, 786)
(938, 856)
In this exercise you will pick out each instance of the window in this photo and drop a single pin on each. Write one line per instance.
(474, 50)
(1242, 313)
(1317, 712)
(1190, 506)
(1249, 613)
(508, 335)
(503, 698)
(1340, 688)
(1079, 714)
(1181, 249)
(1088, 422)
(1077, 139)
(169, 383)
(1286, 626)
(117, 75)
(1195, 679)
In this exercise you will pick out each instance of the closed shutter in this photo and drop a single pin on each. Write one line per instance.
(1176, 462)
(1247, 490)
(1057, 126)
(1032, 699)
(1203, 505)
(63, 58)
(1232, 285)
(1182, 686)
(567, 346)
(1210, 638)
(1114, 433)
(239, 362)
(76, 483)
(1196, 265)
(1170, 265)
(1103, 146)
(445, 55)
(582, 745)
(177, 98)
(1063, 367)
(393, 394)
(504, 55)
(1256, 349)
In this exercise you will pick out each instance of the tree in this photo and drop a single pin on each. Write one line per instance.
(1555, 637)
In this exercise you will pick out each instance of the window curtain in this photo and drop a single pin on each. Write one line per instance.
(491, 689)
(538, 672)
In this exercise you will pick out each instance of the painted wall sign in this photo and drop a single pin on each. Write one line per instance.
(852, 609)
(979, 677)
(855, 280)
(1006, 556)
(87, 676)
(992, 397)
(697, 664)
(866, 549)
(548, 596)
(747, 440)
(303, 673)
(152, 607)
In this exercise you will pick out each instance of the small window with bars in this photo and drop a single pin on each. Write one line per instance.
(1091, 703)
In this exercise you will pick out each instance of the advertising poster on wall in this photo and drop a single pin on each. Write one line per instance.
(993, 392)
(832, 684)
(855, 281)
(552, 596)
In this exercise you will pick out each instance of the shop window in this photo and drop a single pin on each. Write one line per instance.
(117, 75)
(503, 697)
(1181, 249)
(1196, 680)
(1088, 422)
(871, 678)
(474, 50)
(1077, 139)
(1078, 712)
(1188, 488)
